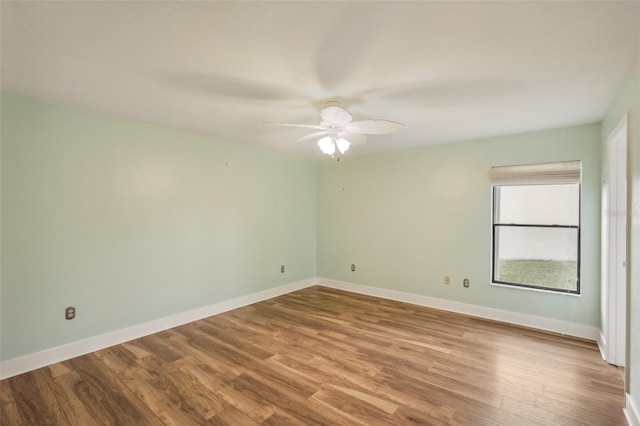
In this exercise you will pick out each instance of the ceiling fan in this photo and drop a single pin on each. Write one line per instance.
(337, 131)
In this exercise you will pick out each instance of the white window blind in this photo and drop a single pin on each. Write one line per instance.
(564, 172)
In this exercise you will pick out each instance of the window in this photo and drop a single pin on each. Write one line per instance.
(536, 226)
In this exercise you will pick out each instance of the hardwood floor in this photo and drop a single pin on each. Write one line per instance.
(327, 357)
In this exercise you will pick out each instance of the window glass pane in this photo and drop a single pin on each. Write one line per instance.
(537, 204)
(544, 257)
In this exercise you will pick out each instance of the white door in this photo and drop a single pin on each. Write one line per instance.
(614, 294)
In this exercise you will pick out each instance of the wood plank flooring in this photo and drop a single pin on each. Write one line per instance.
(321, 356)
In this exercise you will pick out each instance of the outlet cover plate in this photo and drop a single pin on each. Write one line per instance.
(70, 313)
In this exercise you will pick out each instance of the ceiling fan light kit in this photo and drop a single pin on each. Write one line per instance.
(337, 131)
(328, 145)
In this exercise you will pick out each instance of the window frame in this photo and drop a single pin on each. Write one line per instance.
(494, 226)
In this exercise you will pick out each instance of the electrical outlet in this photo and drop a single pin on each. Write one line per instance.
(447, 279)
(465, 283)
(70, 313)
(282, 269)
(353, 267)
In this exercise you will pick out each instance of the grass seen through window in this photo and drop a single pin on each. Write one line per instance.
(539, 272)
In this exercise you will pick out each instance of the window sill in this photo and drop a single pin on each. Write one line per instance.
(539, 290)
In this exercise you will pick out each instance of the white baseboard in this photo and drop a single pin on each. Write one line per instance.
(19, 365)
(602, 345)
(631, 411)
(541, 323)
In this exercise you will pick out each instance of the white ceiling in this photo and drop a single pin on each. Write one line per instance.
(449, 71)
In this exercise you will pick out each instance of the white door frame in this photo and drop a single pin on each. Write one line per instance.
(614, 247)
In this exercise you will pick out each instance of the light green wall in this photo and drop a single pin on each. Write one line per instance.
(628, 100)
(132, 222)
(407, 219)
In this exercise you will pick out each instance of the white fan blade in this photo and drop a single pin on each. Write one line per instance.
(304, 126)
(335, 116)
(356, 139)
(314, 135)
(374, 127)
